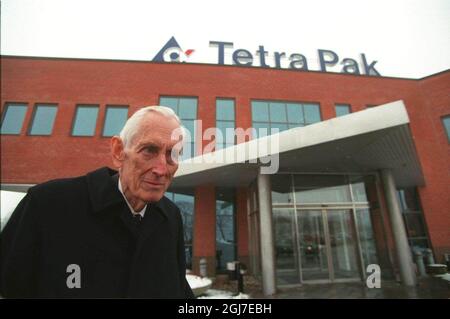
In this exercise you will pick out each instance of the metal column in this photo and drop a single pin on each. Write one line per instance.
(405, 262)
(266, 234)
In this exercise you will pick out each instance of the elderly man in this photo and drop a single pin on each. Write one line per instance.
(107, 234)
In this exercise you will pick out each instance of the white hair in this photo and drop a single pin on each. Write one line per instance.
(133, 124)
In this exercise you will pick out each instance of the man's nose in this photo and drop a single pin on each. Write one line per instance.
(160, 165)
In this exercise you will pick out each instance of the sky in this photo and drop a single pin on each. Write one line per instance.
(407, 38)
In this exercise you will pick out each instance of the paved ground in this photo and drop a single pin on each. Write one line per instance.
(429, 287)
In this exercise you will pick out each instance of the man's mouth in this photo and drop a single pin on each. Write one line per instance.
(154, 184)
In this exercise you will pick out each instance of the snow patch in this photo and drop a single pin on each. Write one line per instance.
(222, 294)
(9, 201)
(197, 281)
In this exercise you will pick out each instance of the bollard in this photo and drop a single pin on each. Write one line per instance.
(240, 278)
(203, 267)
(430, 257)
(420, 264)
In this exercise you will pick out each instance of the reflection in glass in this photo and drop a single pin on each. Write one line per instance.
(366, 237)
(186, 205)
(285, 254)
(85, 121)
(225, 228)
(115, 119)
(13, 118)
(313, 249)
(342, 244)
(321, 189)
(43, 120)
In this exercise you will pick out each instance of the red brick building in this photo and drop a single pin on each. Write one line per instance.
(55, 124)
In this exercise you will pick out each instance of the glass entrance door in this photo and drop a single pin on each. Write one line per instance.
(313, 249)
(327, 245)
(315, 245)
(342, 244)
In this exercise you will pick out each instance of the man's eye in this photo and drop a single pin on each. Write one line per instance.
(151, 150)
(173, 155)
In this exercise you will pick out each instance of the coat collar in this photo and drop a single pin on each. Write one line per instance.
(103, 191)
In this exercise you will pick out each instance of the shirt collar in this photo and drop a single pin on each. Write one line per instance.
(141, 212)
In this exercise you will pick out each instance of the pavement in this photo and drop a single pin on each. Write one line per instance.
(427, 288)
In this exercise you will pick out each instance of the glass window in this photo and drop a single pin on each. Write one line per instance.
(367, 238)
(446, 123)
(227, 130)
(358, 188)
(261, 129)
(409, 199)
(187, 108)
(413, 217)
(321, 189)
(186, 205)
(277, 112)
(260, 111)
(342, 109)
(169, 102)
(115, 119)
(312, 113)
(13, 116)
(225, 109)
(295, 113)
(225, 122)
(43, 119)
(278, 126)
(85, 120)
(225, 228)
(283, 116)
(281, 189)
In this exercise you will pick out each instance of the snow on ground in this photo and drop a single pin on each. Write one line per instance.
(200, 287)
(198, 282)
(9, 201)
(222, 294)
(444, 276)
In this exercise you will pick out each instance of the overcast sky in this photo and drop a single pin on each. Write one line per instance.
(408, 38)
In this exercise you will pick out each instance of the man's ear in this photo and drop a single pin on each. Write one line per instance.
(117, 151)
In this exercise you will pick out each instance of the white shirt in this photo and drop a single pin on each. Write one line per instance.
(141, 212)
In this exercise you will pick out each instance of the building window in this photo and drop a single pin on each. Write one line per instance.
(225, 122)
(270, 115)
(43, 119)
(186, 109)
(85, 120)
(342, 109)
(13, 116)
(446, 123)
(115, 119)
(225, 229)
(186, 205)
(413, 218)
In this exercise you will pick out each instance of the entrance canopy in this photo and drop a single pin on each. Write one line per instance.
(365, 141)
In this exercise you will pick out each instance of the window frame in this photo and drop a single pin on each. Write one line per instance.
(77, 106)
(348, 105)
(445, 129)
(3, 116)
(33, 117)
(289, 123)
(113, 106)
(224, 143)
(193, 144)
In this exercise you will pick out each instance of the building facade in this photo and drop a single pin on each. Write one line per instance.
(363, 174)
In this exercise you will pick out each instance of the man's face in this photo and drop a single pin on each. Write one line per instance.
(147, 166)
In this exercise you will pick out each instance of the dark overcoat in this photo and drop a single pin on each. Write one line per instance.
(83, 227)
